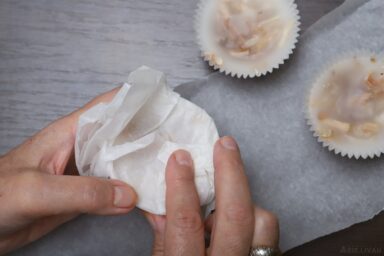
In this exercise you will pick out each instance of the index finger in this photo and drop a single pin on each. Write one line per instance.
(233, 227)
(184, 230)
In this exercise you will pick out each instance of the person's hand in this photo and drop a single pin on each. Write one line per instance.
(36, 196)
(235, 226)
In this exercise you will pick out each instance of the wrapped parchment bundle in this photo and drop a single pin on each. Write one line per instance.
(132, 137)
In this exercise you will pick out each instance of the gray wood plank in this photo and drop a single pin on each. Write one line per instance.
(55, 55)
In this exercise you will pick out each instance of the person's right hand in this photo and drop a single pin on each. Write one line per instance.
(235, 226)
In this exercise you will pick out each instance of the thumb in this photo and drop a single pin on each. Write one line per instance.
(36, 195)
(157, 223)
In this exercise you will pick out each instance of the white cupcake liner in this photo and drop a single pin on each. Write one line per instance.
(350, 147)
(205, 10)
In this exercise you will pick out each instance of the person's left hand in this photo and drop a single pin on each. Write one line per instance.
(35, 194)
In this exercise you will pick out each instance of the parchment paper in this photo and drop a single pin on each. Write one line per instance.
(132, 137)
(313, 191)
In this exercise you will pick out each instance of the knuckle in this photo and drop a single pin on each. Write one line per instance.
(28, 190)
(188, 220)
(28, 179)
(94, 195)
(266, 218)
(230, 164)
(234, 246)
(240, 215)
(184, 177)
(158, 247)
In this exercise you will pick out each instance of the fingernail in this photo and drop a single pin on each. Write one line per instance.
(124, 197)
(159, 222)
(183, 158)
(228, 143)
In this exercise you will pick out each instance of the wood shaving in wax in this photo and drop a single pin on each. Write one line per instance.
(247, 37)
(347, 106)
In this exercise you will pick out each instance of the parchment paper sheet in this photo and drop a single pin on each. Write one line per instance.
(313, 191)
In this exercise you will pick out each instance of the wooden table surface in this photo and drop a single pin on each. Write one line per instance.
(56, 55)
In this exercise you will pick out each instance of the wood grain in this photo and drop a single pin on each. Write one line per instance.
(361, 239)
(56, 55)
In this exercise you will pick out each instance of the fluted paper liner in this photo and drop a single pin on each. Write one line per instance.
(237, 67)
(350, 146)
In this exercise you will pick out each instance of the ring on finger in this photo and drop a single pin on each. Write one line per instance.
(264, 251)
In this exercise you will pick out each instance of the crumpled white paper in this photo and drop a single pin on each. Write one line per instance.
(132, 137)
